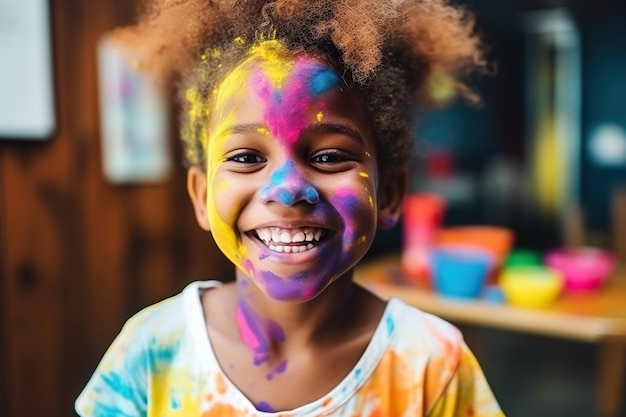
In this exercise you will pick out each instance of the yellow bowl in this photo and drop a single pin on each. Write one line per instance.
(531, 285)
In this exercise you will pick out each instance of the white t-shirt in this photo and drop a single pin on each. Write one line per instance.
(162, 364)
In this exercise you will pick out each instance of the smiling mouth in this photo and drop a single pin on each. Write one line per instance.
(290, 240)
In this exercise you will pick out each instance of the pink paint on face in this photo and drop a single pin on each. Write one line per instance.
(287, 109)
(293, 149)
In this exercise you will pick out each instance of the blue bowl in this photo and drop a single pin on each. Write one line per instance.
(459, 271)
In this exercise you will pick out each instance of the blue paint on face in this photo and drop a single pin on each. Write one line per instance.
(322, 81)
(287, 186)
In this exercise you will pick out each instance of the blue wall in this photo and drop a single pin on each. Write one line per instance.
(604, 101)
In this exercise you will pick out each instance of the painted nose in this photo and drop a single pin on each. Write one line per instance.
(288, 187)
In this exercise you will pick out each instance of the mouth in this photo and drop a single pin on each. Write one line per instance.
(295, 240)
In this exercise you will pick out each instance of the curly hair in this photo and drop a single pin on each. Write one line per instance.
(392, 50)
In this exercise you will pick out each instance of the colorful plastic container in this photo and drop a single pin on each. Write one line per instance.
(422, 215)
(496, 240)
(532, 286)
(584, 269)
(459, 271)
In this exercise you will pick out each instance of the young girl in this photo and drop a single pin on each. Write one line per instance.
(296, 125)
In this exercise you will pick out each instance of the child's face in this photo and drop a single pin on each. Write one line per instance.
(292, 178)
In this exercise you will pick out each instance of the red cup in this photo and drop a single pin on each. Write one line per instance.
(423, 214)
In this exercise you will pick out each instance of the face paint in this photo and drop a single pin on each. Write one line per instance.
(287, 108)
(265, 109)
(286, 186)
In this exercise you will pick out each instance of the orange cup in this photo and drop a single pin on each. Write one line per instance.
(495, 239)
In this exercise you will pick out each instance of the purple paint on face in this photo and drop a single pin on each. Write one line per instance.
(347, 204)
(294, 287)
(287, 186)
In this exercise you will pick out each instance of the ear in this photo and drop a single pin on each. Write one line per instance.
(197, 189)
(391, 193)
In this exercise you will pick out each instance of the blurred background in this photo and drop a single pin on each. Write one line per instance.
(92, 230)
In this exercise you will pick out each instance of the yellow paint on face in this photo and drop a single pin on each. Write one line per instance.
(275, 66)
(319, 116)
(263, 131)
(364, 174)
(268, 57)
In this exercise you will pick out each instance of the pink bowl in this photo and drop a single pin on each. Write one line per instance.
(584, 268)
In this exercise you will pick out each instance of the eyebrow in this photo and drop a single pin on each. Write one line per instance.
(316, 128)
(336, 128)
(244, 128)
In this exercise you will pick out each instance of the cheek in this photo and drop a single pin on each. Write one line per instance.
(357, 209)
(222, 215)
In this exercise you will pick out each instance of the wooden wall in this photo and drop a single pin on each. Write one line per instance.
(79, 255)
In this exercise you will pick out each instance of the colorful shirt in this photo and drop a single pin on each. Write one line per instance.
(162, 364)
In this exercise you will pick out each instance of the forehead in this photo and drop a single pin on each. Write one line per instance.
(286, 93)
(268, 72)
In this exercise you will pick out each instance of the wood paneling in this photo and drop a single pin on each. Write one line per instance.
(79, 255)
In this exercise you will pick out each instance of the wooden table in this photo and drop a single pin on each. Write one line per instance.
(598, 318)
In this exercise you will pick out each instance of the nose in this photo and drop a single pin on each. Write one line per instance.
(288, 187)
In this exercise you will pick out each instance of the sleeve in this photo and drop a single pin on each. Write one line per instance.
(118, 386)
(467, 393)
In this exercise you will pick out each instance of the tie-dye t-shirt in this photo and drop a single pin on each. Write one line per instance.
(162, 364)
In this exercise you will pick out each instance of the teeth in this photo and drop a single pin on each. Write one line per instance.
(290, 249)
(299, 237)
(275, 238)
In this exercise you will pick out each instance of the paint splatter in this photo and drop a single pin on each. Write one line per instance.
(279, 369)
(257, 332)
(264, 407)
(288, 187)
(287, 109)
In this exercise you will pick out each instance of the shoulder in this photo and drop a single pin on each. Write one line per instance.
(415, 328)
(158, 338)
(162, 312)
(169, 319)
(429, 348)
(439, 361)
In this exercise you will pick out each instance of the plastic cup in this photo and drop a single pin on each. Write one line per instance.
(422, 214)
(460, 271)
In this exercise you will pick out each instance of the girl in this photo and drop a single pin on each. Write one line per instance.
(296, 122)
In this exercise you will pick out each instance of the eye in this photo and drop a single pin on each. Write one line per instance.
(332, 159)
(245, 160)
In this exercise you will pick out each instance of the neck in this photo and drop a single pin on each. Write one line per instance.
(270, 327)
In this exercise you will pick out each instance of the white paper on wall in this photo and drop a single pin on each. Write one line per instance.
(26, 76)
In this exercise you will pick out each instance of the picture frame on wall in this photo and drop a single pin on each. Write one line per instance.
(27, 103)
(134, 120)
